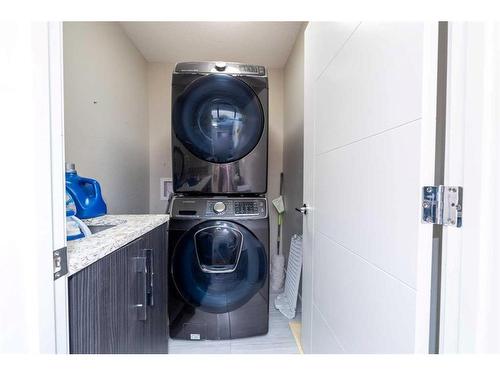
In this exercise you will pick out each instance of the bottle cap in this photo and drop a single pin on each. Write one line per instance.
(70, 167)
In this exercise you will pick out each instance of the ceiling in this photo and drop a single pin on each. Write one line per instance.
(263, 43)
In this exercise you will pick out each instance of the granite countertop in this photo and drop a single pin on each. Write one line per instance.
(87, 250)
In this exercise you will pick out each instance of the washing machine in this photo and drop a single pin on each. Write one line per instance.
(218, 268)
(219, 128)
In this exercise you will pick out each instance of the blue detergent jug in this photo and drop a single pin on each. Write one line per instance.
(86, 192)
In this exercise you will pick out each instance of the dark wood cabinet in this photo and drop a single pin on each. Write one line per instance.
(119, 303)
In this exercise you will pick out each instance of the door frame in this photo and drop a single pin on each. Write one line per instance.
(46, 45)
(469, 316)
(56, 79)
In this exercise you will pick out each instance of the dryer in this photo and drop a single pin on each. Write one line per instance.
(219, 128)
(218, 268)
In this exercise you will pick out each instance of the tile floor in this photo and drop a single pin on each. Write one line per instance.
(279, 340)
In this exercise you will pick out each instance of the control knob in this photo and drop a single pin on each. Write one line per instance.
(220, 66)
(219, 207)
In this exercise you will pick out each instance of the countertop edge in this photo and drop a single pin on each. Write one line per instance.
(83, 254)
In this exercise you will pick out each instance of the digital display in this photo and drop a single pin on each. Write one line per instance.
(246, 208)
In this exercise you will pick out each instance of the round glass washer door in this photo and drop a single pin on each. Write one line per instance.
(218, 266)
(218, 118)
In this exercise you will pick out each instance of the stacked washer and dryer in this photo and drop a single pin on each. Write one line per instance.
(219, 225)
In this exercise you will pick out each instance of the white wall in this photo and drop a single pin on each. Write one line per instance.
(160, 157)
(159, 90)
(293, 140)
(275, 163)
(108, 140)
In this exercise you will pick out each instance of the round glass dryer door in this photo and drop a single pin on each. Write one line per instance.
(218, 118)
(218, 266)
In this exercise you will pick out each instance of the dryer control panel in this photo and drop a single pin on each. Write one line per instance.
(215, 207)
(210, 67)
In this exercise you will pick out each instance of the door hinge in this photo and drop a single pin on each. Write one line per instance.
(60, 262)
(442, 205)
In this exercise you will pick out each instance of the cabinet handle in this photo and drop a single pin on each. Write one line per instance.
(150, 276)
(140, 268)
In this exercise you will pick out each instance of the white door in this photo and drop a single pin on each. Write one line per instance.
(370, 101)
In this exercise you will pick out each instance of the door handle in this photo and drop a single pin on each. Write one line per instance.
(302, 209)
(149, 276)
(140, 268)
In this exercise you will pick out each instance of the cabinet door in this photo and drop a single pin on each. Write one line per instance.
(156, 328)
(103, 299)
